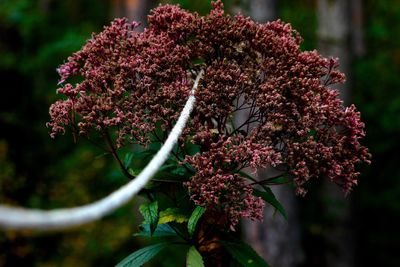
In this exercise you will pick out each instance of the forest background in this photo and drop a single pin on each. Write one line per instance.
(36, 171)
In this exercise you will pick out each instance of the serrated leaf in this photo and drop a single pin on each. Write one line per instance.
(269, 197)
(150, 214)
(172, 215)
(141, 256)
(194, 218)
(193, 258)
(161, 230)
(244, 254)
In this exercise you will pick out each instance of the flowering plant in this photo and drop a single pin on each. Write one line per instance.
(125, 87)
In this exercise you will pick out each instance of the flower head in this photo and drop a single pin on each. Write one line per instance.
(132, 82)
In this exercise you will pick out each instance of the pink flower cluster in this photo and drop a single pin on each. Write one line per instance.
(217, 183)
(133, 82)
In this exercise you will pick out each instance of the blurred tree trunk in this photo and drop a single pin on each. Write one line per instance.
(340, 35)
(274, 239)
(357, 36)
(262, 10)
(133, 9)
(333, 35)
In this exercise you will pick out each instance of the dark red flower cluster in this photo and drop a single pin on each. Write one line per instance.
(218, 183)
(135, 81)
(131, 81)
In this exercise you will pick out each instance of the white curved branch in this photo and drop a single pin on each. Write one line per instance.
(22, 218)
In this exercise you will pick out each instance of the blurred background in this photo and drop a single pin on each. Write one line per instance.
(325, 228)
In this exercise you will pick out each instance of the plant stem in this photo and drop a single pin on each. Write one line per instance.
(115, 155)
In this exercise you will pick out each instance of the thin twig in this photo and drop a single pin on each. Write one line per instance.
(268, 180)
(116, 157)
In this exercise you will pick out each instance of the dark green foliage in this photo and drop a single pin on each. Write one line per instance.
(194, 218)
(244, 254)
(141, 256)
(35, 38)
(302, 15)
(377, 79)
(161, 230)
(150, 214)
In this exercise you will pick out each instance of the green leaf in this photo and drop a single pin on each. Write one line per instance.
(168, 167)
(192, 149)
(141, 256)
(244, 254)
(248, 176)
(193, 258)
(182, 172)
(279, 180)
(128, 160)
(134, 172)
(194, 218)
(150, 214)
(172, 215)
(269, 197)
(161, 231)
